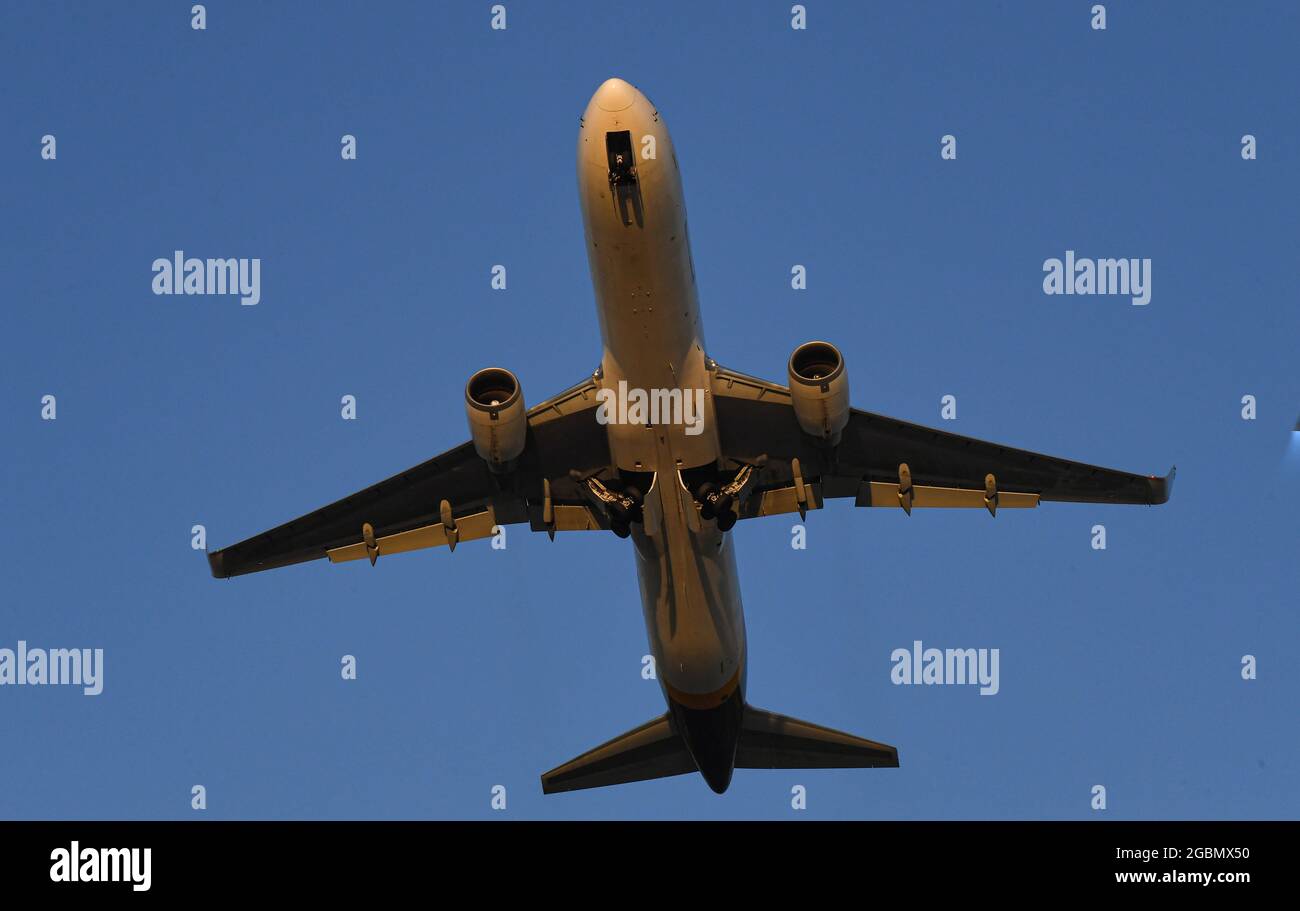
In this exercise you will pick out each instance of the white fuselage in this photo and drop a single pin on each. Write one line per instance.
(644, 280)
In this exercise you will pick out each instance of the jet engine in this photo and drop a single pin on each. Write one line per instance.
(498, 421)
(819, 390)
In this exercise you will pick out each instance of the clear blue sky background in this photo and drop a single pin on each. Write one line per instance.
(1119, 668)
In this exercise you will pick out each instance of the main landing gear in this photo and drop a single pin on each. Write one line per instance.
(721, 501)
(622, 507)
(716, 503)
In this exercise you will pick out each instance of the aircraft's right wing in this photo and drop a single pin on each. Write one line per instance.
(406, 511)
(882, 461)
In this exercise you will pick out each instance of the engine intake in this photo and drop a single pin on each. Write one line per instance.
(498, 420)
(819, 390)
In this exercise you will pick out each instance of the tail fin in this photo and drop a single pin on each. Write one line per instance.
(772, 741)
(653, 750)
(767, 741)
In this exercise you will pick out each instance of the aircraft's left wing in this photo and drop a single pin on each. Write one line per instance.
(882, 461)
(450, 498)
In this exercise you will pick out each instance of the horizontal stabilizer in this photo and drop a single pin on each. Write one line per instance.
(772, 741)
(653, 750)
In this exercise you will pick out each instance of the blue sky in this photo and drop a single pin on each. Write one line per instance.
(1118, 667)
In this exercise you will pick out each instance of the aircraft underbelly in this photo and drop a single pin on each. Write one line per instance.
(638, 248)
(690, 597)
(644, 282)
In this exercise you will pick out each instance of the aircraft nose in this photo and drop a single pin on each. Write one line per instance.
(614, 95)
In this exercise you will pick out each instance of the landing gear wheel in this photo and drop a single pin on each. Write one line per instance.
(707, 489)
(635, 512)
(619, 527)
(727, 520)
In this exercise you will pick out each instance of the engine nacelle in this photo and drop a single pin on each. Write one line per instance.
(498, 421)
(819, 390)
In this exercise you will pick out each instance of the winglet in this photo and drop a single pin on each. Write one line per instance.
(217, 563)
(1162, 488)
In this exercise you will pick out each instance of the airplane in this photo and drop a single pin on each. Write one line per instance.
(675, 485)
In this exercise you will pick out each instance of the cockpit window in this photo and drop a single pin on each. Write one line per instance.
(622, 162)
(624, 184)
